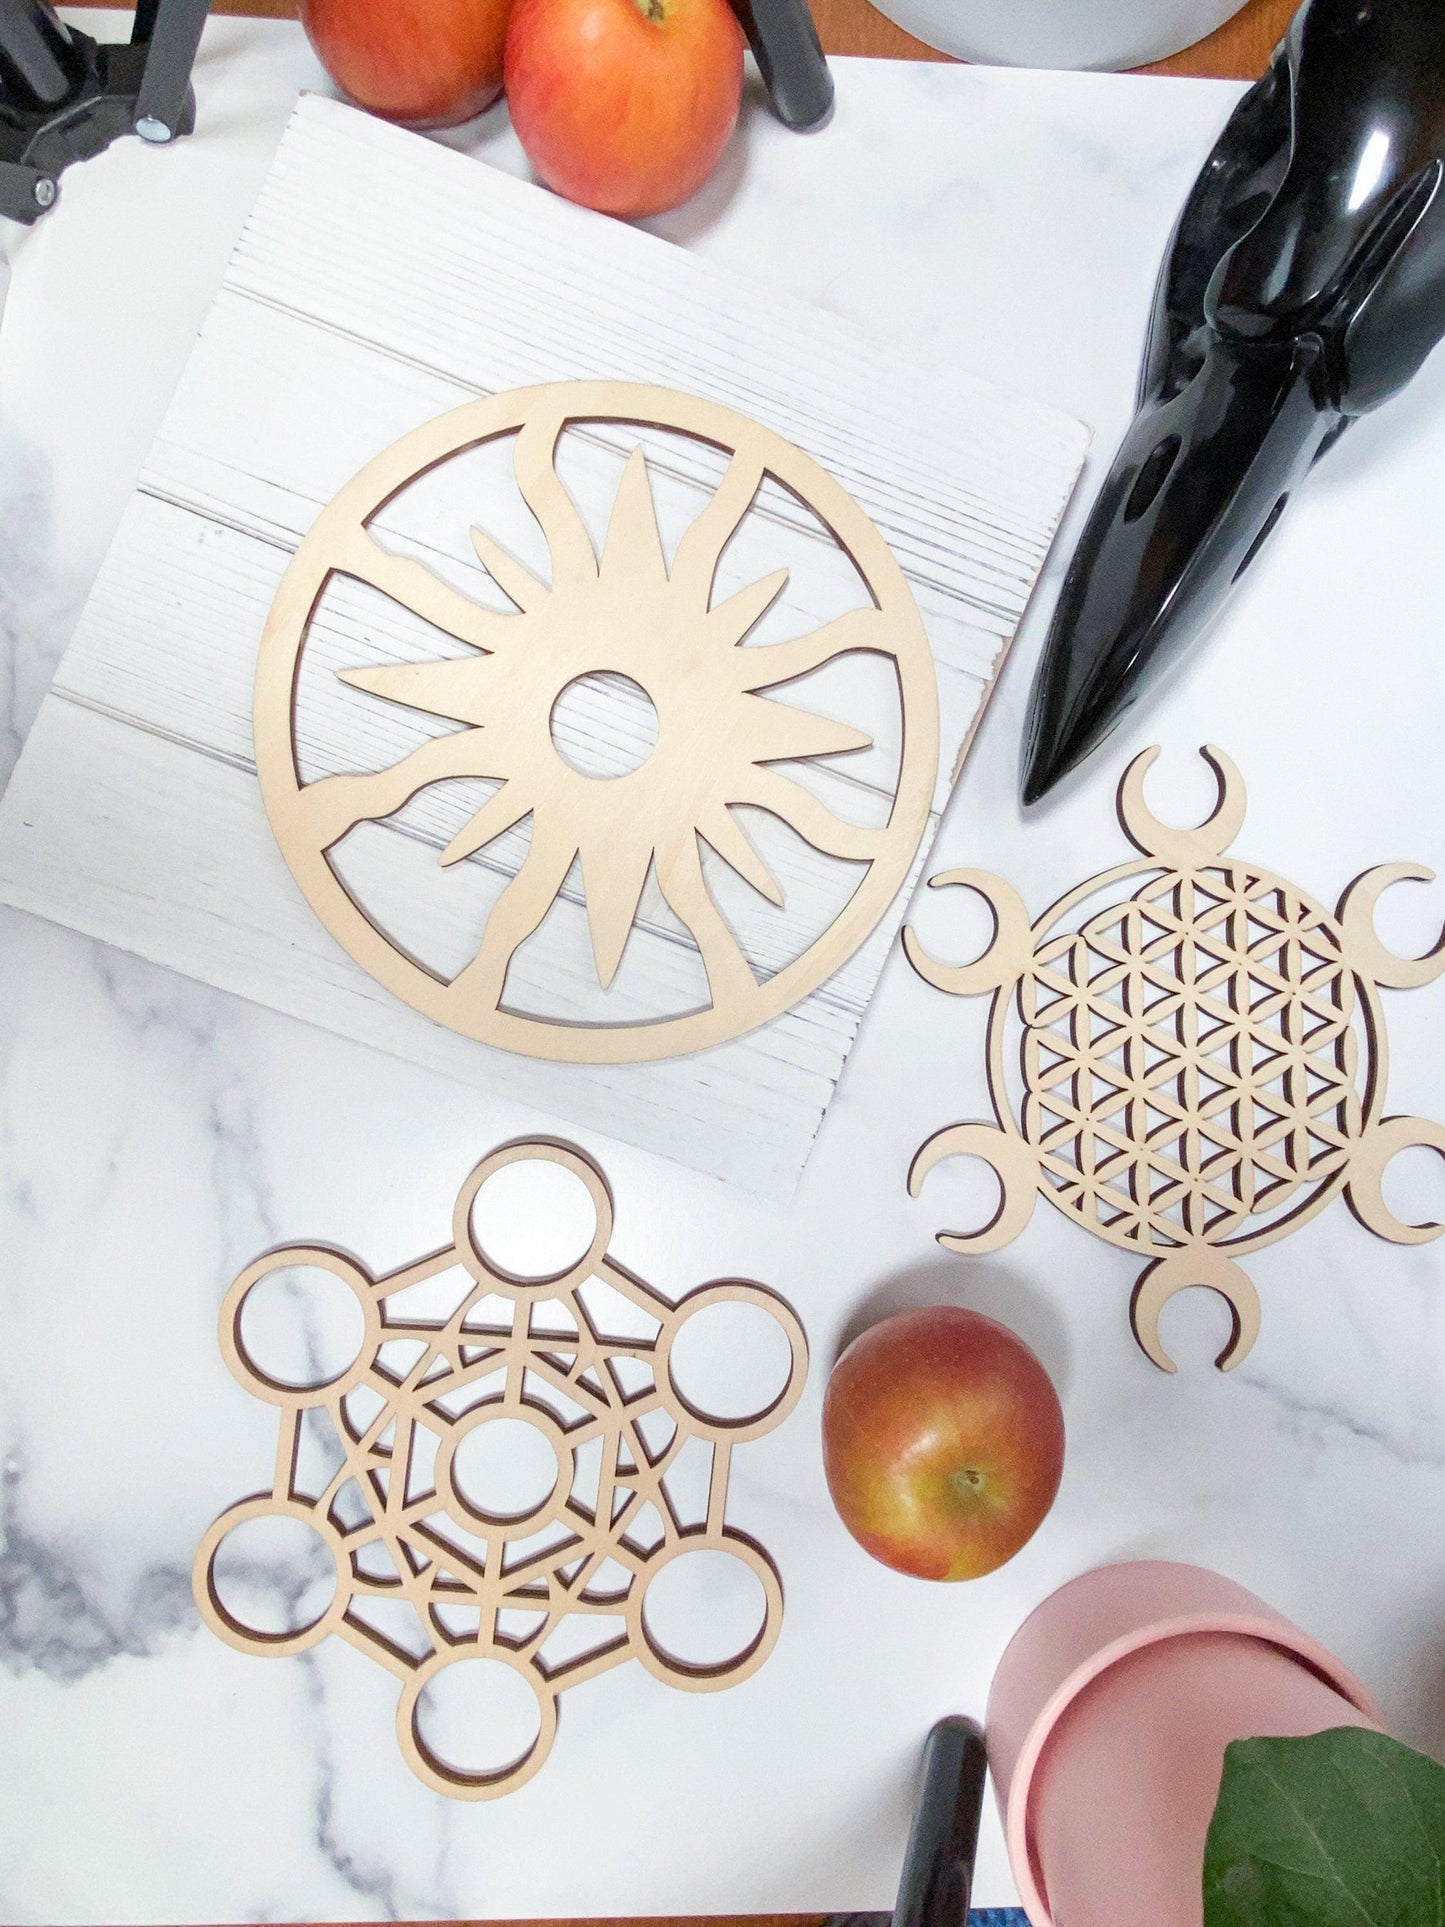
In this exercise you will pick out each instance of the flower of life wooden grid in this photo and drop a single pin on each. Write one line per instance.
(398, 1525)
(1201, 1052)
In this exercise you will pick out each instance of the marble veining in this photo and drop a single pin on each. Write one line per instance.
(1313, 1422)
(48, 1618)
(38, 607)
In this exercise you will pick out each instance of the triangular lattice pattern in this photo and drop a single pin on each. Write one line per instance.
(1190, 1058)
(1202, 1060)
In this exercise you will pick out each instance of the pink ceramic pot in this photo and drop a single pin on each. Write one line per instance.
(1107, 1725)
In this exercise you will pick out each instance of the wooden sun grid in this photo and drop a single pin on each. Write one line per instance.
(380, 281)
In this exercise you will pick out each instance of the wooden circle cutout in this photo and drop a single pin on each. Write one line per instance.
(720, 739)
(462, 1489)
(707, 1676)
(437, 1560)
(486, 1269)
(225, 1623)
(686, 1410)
(1187, 1055)
(295, 1396)
(478, 1784)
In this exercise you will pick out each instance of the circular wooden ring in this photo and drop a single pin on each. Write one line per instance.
(453, 1781)
(234, 1631)
(486, 1270)
(712, 1677)
(534, 1517)
(339, 540)
(244, 1368)
(691, 1419)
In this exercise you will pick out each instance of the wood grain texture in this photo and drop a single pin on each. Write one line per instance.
(614, 621)
(1239, 50)
(1199, 1152)
(346, 321)
(433, 1571)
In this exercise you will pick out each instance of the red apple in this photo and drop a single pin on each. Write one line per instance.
(425, 63)
(943, 1442)
(624, 105)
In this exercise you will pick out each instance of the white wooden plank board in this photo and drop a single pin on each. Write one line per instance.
(381, 280)
(135, 651)
(240, 924)
(270, 466)
(198, 699)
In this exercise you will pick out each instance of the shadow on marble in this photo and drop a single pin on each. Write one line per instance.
(977, 1284)
(688, 224)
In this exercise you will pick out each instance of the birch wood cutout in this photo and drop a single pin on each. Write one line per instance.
(381, 281)
(720, 734)
(400, 1521)
(1202, 1060)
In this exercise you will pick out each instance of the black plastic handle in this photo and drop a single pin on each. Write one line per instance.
(790, 59)
(937, 1878)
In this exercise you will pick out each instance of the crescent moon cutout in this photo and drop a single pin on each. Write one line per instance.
(1183, 846)
(1357, 922)
(1364, 1193)
(1013, 1163)
(1179, 1272)
(1008, 949)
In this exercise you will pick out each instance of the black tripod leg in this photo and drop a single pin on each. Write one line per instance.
(165, 105)
(40, 66)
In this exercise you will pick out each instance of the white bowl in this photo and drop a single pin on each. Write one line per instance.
(1111, 34)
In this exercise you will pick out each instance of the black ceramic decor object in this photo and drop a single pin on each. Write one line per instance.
(1304, 285)
(937, 1878)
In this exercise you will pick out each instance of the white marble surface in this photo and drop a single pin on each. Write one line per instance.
(154, 1135)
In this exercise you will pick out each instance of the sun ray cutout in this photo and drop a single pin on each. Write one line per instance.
(725, 736)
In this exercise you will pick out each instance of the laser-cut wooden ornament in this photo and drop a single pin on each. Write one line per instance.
(720, 737)
(1202, 1053)
(481, 1585)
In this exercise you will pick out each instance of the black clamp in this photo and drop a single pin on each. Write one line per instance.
(64, 97)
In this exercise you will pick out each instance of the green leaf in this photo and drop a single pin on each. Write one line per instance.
(1343, 1829)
